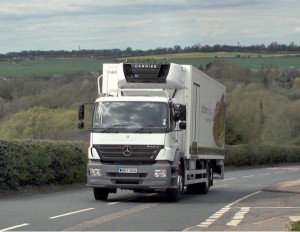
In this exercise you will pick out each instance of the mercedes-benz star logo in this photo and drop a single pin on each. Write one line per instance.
(127, 150)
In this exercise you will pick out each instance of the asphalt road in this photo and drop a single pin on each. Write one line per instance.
(76, 210)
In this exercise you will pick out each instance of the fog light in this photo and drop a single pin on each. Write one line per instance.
(160, 173)
(95, 172)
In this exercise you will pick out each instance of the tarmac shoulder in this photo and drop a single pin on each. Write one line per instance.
(32, 190)
(291, 186)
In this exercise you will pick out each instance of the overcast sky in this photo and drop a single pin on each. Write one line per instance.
(145, 24)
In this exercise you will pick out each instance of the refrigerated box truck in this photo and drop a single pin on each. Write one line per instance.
(155, 128)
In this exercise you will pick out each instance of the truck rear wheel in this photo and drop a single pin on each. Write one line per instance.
(204, 187)
(101, 193)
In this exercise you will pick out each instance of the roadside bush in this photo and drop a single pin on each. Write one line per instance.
(243, 116)
(255, 115)
(38, 163)
(294, 94)
(260, 154)
(8, 174)
(297, 82)
(53, 92)
(39, 123)
(43, 123)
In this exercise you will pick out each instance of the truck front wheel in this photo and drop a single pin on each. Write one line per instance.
(101, 193)
(173, 195)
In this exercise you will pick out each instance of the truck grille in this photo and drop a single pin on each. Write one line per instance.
(138, 153)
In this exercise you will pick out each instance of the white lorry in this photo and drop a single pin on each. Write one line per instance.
(155, 128)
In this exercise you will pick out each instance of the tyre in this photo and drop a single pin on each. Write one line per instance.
(173, 195)
(204, 187)
(101, 194)
(192, 189)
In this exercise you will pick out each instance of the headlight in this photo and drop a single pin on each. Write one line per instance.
(95, 172)
(160, 173)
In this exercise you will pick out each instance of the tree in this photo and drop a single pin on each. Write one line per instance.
(273, 47)
(176, 48)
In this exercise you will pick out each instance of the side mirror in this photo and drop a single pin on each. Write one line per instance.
(81, 112)
(180, 113)
(182, 110)
(80, 124)
(80, 117)
(176, 116)
(182, 125)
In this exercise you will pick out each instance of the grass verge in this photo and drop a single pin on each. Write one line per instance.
(295, 226)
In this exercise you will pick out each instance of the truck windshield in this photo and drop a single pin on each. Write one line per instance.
(130, 117)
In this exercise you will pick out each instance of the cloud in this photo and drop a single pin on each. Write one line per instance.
(16, 9)
(56, 24)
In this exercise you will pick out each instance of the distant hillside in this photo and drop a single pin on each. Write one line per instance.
(39, 98)
(273, 47)
(74, 66)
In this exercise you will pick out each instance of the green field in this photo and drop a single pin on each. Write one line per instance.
(283, 63)
(49, 67)
(215, 54)
(44, 67)
(250, 60)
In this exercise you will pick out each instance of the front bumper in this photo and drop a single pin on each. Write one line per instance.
(144, 179)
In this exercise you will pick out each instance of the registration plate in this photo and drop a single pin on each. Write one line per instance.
(127, 170)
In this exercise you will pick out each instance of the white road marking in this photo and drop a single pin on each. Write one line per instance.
(74, 212)
(287, 169)
(14, 227)
(238, 217)
(279, 172)
(225, 209)
(264, 174)
(213, 217)
(86, 225)
(233, 222)
(228, 179)
(113, 203)
(243, 198)
(247, 176)
(205, 224)
(290, 207)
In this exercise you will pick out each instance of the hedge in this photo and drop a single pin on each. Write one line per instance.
(39, 162)
(261, 154)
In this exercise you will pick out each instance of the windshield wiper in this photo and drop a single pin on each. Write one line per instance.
(113, 126)
(149, 127)
(140, 129)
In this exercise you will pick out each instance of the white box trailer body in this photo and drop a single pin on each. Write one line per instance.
(166, 131)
